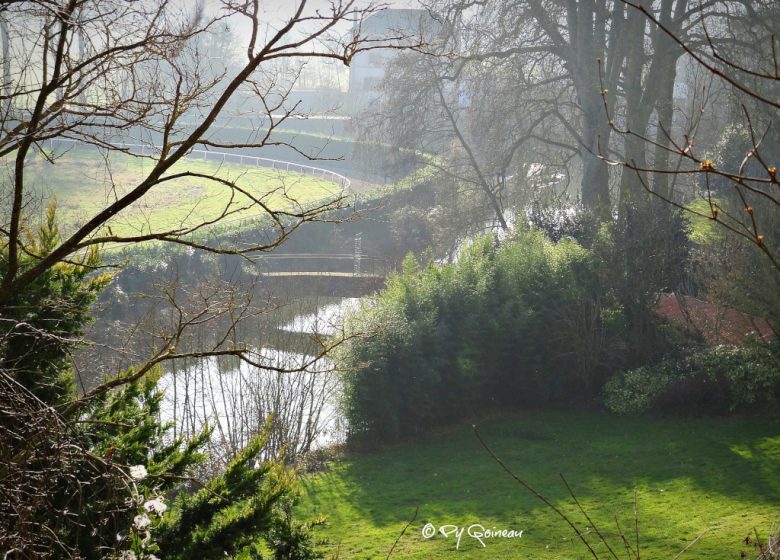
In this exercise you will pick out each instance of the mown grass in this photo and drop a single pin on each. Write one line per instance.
(720, 477)
(83, 184)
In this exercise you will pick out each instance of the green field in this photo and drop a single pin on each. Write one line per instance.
(83, 183)
(720, 477)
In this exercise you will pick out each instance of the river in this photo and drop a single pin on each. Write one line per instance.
(237, 398)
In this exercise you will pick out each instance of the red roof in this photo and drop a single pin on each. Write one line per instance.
(717, 324)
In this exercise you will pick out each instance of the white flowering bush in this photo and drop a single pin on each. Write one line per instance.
(140, 536)
(636, 390)
(720, 380)
(138, 472)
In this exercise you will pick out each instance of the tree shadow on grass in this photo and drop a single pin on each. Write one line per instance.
(718, 465)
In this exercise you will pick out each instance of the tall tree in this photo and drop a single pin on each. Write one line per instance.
(729, 177)
(580, 70)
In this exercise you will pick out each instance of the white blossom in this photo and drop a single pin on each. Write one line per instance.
(157, 506)
(141, 521)
(146, 540)
(138, 472)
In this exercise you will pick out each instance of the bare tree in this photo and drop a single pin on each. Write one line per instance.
(434, 121)
(460, 112)
(735, 178)
(140, 75)
(538, 73)
(136, 79)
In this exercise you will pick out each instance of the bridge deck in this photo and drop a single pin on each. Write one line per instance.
(322, 274)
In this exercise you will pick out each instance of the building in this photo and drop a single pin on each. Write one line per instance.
(368, 68)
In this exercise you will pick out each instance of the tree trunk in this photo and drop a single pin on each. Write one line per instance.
(6, 69)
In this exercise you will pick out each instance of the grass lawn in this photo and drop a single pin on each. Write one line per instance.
(83, 185)
(721, 476)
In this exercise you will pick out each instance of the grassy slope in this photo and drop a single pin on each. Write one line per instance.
(690, 475)
(82, 186)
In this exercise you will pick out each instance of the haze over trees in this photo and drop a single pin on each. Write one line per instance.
(587, 191)
(574, 88)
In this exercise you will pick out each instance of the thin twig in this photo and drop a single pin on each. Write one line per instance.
(587, 517)
(414, 517)
(624, 539)
(690, 544)
(535, 492)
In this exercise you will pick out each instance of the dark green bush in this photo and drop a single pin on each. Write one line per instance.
(642, 253)
(530, 322)
(523, 323)
(718, 380)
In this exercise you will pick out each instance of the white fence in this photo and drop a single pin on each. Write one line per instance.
(226, 157)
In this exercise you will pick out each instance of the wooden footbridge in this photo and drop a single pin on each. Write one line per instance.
(353, 272)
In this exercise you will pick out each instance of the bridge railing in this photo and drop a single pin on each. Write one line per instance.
(356, 263)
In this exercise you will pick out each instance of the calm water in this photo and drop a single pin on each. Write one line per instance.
(236, 397)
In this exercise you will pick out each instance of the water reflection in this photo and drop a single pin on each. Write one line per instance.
(236, 398)
(324, 321)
